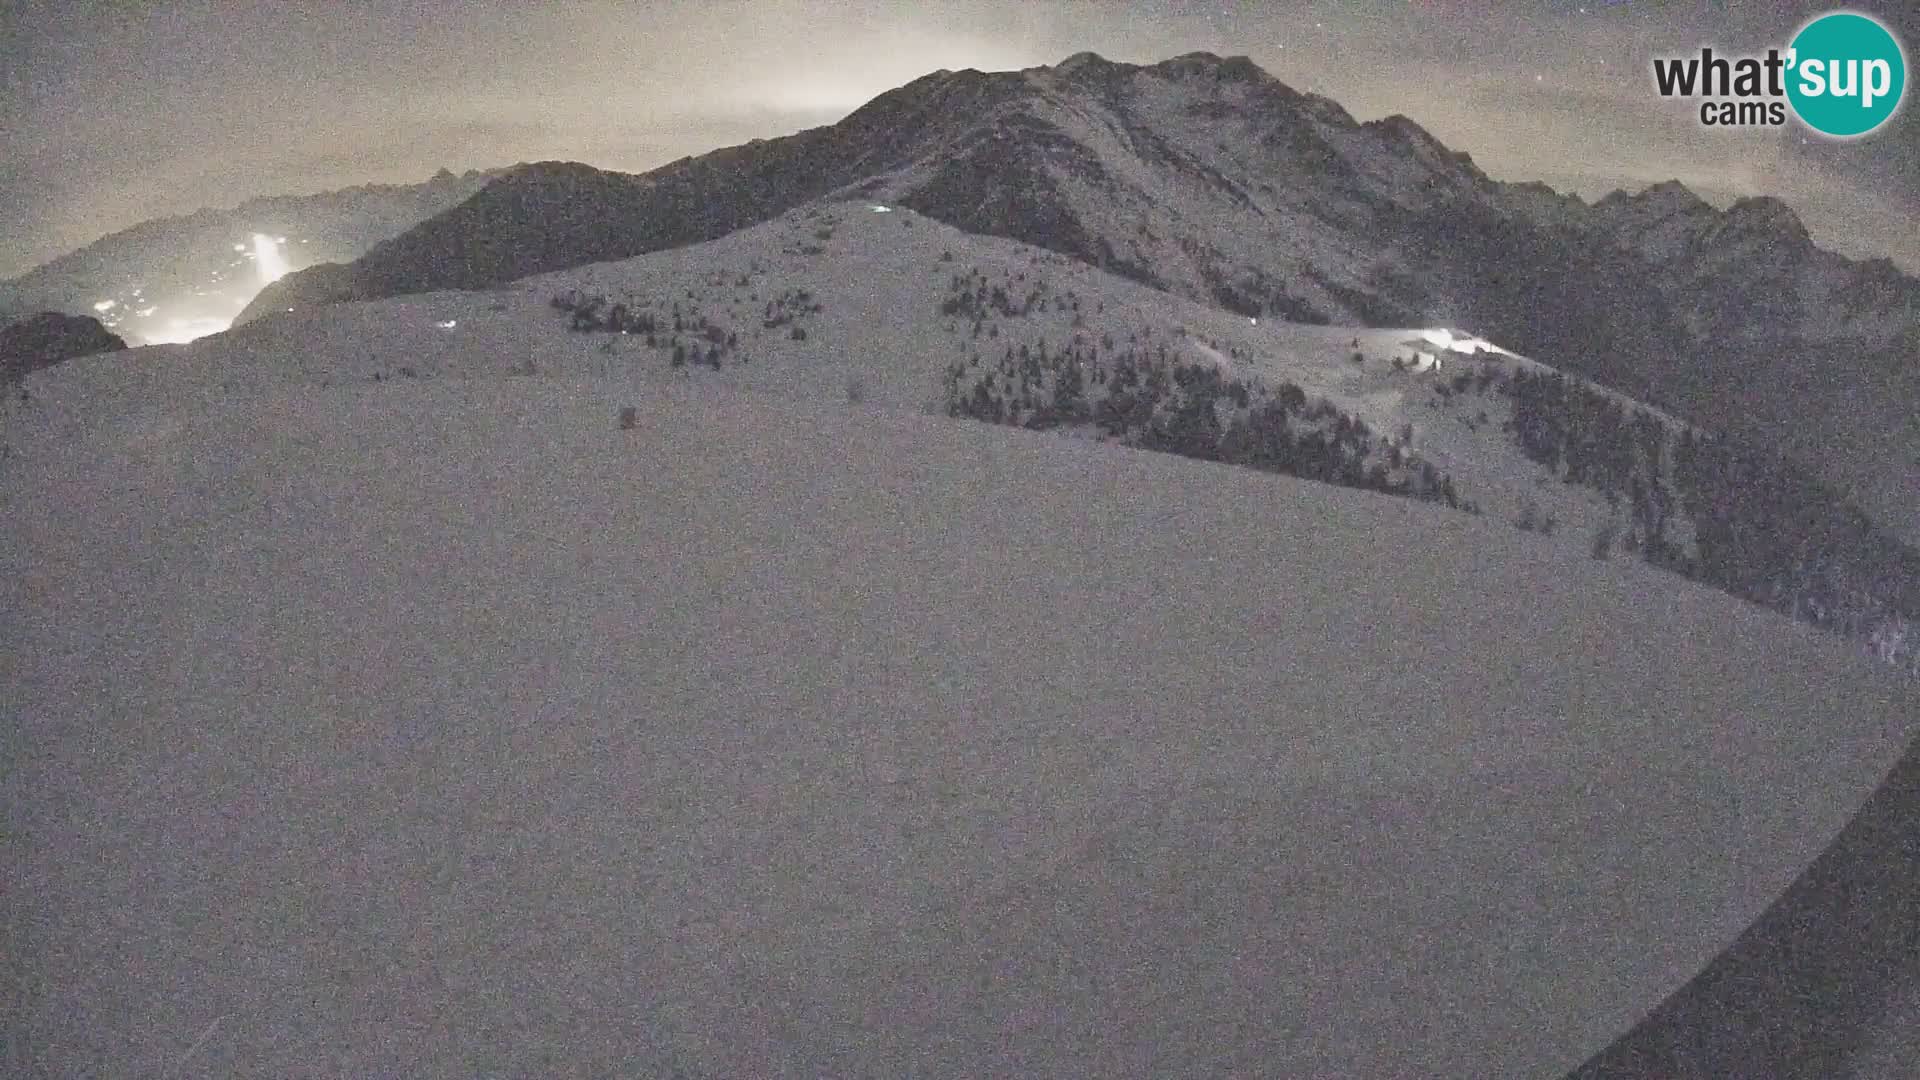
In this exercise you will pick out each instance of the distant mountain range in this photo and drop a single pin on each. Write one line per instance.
(177, 277)
(1209, 179)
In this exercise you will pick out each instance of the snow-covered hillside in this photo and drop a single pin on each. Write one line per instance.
(1208, 178)
(841, 298)
(442, 727)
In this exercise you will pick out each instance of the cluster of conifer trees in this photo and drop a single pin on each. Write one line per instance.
(1156, 400)
(687, 337)
(1770, 531)
(972, 296)
(1589, 438)
(1764, 528)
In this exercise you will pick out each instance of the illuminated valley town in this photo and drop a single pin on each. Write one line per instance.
(207, 309)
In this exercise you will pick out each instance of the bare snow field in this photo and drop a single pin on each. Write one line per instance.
(442, 728)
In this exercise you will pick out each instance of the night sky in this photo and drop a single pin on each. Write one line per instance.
(115, 112)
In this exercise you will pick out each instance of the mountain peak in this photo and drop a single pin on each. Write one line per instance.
(1767, 213)
(1404, 126)
(1424, 146)
(1088, 68)
(1199, 64)
(1082, 60)
(1671, 196)
(1674, 192)
(552, 168)
(1212, 65)
(1543, 189)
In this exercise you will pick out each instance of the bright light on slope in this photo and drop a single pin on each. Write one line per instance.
(1460, 343)
(181, 331)
(268, 260)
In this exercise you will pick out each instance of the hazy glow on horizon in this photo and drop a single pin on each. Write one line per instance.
(181, 331)
(113, 144)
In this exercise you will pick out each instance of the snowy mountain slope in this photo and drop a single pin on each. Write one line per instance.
(442, 727)
(1788, 340)
(1751, 272)
(555, 215)
(1200, 175)
(1210, 179)
(887, 325)
(1206, 177)
(856, 299)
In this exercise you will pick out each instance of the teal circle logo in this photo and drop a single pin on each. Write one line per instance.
(1846, 74)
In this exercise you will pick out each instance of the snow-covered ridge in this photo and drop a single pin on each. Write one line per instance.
(879, 282)
(1207, 178)
(835, 301)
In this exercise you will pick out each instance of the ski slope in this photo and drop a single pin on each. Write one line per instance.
(439, 727)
